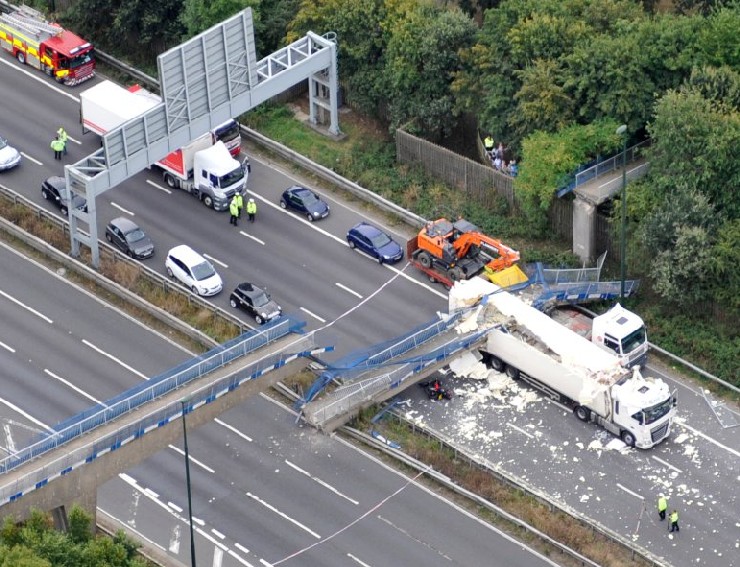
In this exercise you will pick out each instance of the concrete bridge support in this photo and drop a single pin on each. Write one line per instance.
(584, 217)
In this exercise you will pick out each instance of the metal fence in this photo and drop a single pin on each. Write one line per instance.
(304, 346)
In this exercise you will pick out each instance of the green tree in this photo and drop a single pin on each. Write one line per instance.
(718, 42)
(542, 103)
(199, 15)
(422, 57)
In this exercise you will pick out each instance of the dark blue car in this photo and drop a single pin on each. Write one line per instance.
(304, 201)
(375, 243)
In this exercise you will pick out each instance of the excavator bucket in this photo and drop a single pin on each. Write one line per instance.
(508, 277)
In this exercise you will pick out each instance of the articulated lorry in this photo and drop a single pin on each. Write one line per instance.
(206, 170)
(526, 344)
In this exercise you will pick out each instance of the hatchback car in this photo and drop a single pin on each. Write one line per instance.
(9, 156)
(304, 201)
(55, 190)
(375, 243)
(193, 270)
(126, 235)
(255, 301)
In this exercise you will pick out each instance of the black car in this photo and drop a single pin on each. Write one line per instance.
(304, 201)
(255, 301)
(126, 235)
(55, 190)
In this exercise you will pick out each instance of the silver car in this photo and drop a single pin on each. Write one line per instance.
(193, 270)
(9, 156)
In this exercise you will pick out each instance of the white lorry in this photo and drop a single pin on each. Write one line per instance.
(107, 105)
(618, 331)
(207, 171)
(526, 344)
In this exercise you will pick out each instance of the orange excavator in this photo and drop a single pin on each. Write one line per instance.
(459, 251)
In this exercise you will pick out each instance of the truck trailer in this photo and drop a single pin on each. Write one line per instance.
(528, 345)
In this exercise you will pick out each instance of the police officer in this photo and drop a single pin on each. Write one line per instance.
(58, 146)
(234, 211)
(488, 144)
(62, 135)
(239, 202)
(674, 521)
(662, 506)
(251, 209)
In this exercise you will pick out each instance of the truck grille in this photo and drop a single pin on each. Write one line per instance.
(659, 433)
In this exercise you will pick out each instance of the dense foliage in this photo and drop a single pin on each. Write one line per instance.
(35, 543)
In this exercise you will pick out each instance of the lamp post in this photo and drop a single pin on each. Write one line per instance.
(187, 480)
(622, 131)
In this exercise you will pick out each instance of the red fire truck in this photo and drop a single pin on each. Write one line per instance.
(32, 40)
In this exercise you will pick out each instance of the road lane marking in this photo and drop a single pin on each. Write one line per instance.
(283, 515)
(194, 461)
(28, 416)
(233, 430)
(313, 315)
(252, 237)
(241, 548)
(73, 387)
(158, 186)
(520, 430)
(362, 563)
(114, 359)
(344, 243)
(708, 438)
(217, 533)
(7, 347)
(670, 466)
(239, 559)
(28, 157)
(26, 307)
(36, 76)
(120, 208)
(348, 290)
(219, 262)
(321, 482)
(628, 491)
(175, 507)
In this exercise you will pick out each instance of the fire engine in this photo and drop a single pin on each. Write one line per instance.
(32, 40)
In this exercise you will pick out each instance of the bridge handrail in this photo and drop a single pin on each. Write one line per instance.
(150, 390)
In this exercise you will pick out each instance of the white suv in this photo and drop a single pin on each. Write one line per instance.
(193, 270)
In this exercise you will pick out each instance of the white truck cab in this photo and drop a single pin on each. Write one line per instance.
(623, 333)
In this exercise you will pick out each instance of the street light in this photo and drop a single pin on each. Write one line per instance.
(622, 131)
(187, 479)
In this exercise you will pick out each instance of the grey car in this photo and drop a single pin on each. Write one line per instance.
(9, 156)
(126, 235)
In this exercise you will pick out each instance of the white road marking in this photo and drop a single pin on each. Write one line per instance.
(139, 535)
(233, 430)
(194, 461)
(151, 493)
(628, 491)
(708, 438)
(670, 466)
(239, 559)
(157, 186)
(257, 240)
(199, 521)
(241, 548)
(114, 359)
(28, 157)
(343, 242)
(28, 416)
(36, 76)
(321, 482)
(283, 515)
(219, 262)
(348, 290)
(520, 430)
(120, 208)
(72, 386)
(217, 533)
(175, 507)
(26, 307)
(218, 557)
(362, 563)
(6, 347)
(9, 438)
(313, 315)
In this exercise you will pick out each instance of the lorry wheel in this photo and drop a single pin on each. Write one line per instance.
(208, 201)
(512, 372)
(628, 438)
(425, 259)
(582, 413)
(497, 364)
(170, 181)
(456, 274)
(21, 57)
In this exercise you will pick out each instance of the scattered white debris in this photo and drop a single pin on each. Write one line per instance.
(463, 365)
(681, 438)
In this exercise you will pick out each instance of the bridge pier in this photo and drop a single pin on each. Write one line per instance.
(584, 218)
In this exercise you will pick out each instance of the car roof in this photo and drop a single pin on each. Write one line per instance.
(249, 289)
(56, 181)
(126, 225)
(299, 190)
(367, 229)
(186, 254)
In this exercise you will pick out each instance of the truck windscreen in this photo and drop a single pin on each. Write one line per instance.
(633, 340)
(230, 178)
(81, 60)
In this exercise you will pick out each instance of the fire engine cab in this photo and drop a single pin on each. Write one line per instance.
(28, 37)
